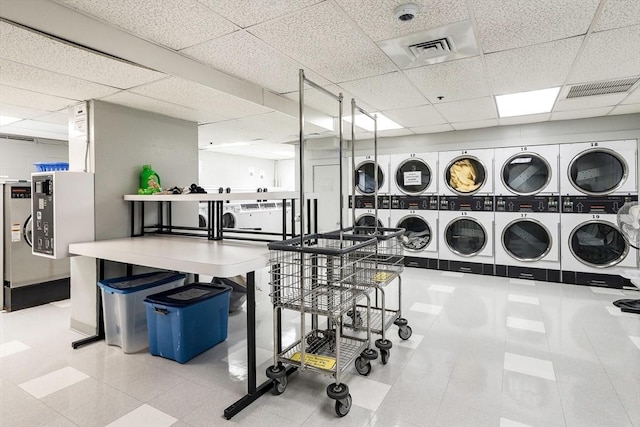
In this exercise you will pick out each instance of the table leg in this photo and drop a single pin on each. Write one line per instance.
(99, 336)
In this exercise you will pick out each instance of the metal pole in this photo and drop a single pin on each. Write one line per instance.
(340, 127)
(375, 173)
(302, 278)
(353, 162)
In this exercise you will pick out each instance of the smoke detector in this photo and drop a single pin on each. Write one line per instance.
(406, 12)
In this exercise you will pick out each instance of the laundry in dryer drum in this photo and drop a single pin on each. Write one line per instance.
(464, 175)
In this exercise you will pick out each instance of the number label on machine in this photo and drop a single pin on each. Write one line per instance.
(15, 232)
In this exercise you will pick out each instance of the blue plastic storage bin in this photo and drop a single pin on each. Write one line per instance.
(187, 321)
(51, 166)
(125, 318)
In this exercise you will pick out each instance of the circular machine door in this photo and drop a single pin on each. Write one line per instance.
(228, 220)
(367, 221)
(417, 233)
(526, 240)
(365, 177)
(526, 173)
(598, 244)
(413, 176)
(27, 231)
(598, 171)
(465, 175)
(465, 237)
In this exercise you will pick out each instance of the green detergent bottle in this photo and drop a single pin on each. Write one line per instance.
(149, 181)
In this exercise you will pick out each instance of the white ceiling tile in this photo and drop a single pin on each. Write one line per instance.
(580, 114)
(518, 120)
(475, 124)
(199, 97)
(27, 47)
(633, 97)
(59, 117)
(18, 111)
(394, 132)
(432, 129)
(325, 40)
(609, 55)
(245, 13)
(244, 55)
(320, 101)
(533, 67)
(588, 102)
(38, 80)
(626, 109)
(618, 13)
(36, 124)
(376, 17)
(141, 102)
(385, 92)
(516, 23)
(468, 111)
(40, 101)
(455, 80)
(414, 117)
(172, 23)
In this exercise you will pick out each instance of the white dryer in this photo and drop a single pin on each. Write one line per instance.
(528, 244)
(418, 216)
(466, 172)
(592, 243)
(525, 171)
(599, 168)
(414, 174)
(465, 241)
(365, 211)
(364, 175)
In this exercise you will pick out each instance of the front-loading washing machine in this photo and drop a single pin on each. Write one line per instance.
(527, 239)
(526, 171)
(465, 172)
(599, 168)
(466, 234)
(365, 211)
(418, 216)
(592, 246)
(414, 174)
(364, 177)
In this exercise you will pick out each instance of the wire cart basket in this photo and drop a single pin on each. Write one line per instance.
(384, 268)
(322, 275)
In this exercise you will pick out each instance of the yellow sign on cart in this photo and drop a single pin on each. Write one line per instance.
(316, 360)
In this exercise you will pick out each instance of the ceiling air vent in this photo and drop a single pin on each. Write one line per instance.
(453, 41)
(601, 88)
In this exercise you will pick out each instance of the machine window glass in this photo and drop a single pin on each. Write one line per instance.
(417, 233)
(526, 174)
(413, 176)
(365, 177)
(228, 220)
(526, 240)
(597, 172)
(465, 175)
(598, 244)
(367, 221)
(466, 237)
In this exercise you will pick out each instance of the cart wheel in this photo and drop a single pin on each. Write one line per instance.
(369, 354)
(358, 319)
(383, 344)
(279, 386)
(337, 391)
(276, 372)
(405, 332)
(343, 406)
(362, 366)
(400, 321)
(384, 355)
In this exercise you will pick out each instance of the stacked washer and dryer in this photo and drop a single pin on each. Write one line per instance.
(598, 178)
(414, 206)
(527, 217)
(364, 177)
(466, 211)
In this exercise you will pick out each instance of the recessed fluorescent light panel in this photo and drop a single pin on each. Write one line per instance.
(6, 120)
(523, 103)
(364, 122)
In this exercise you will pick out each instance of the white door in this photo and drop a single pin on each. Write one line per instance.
(326, 183)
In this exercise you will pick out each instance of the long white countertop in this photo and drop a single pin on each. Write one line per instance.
(206, 197)
(190, 255)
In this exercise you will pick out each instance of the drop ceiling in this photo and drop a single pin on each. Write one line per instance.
(232, 65)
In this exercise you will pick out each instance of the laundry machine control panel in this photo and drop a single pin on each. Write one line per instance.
(20, 192)
(527, 203)
(595, 204)
(425, 203)
(368, 202)
(466, 203)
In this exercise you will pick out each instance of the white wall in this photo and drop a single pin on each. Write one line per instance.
(238, 172)
(17, 157)
(285, 174)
